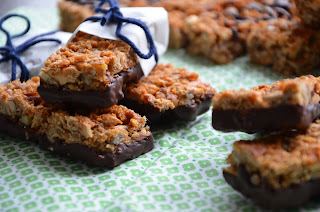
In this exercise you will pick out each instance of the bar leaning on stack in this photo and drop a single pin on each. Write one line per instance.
(90, 72)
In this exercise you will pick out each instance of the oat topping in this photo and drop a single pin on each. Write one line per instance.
(88, 63)
(167, 87)
(103, 129)
(302, 91)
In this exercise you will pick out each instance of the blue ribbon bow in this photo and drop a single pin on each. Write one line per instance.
(9, 52)
(113, 14)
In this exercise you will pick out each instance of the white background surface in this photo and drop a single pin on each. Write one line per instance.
(7, 5)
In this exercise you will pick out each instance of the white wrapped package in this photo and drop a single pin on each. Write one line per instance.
(34, 57)
(155, 18)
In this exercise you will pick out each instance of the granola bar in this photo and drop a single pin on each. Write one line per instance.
(277, 171)
(169, 93)
(105, 137)
(309, 12)
(290, 104)
(217, 42)
(90, 72)
(289, 47)
(219, 33)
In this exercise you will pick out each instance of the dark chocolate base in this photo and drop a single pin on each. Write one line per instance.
(91, 99)
(182, 113)
(279, 118)
(267, 197)
(77, 151)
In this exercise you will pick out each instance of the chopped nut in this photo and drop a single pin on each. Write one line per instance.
(11, 108)
(26, 120)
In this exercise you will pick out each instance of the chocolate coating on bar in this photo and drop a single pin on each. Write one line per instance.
(182, 113)
(80, 152)
(266, 196)
(265, 119)
(91, 99)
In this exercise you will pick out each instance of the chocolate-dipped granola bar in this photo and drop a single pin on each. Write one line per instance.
(279, 170)
(309, 12)
(90, 72)
(106, 137)
(169, 93)
(290, 104)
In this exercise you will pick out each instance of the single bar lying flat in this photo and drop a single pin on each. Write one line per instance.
(279, 170)
(169, 93)
(290, 104)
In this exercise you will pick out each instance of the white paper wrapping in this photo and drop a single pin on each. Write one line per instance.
(34, 57)
(155, 18)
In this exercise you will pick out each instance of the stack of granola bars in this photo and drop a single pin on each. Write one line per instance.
(71, 108)
(281, 168)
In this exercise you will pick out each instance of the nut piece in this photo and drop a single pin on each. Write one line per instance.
(26, 120)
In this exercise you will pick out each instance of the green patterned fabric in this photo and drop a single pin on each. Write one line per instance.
(182, 173)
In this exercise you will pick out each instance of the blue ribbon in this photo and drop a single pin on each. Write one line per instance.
(9, 52)
(113, 14)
